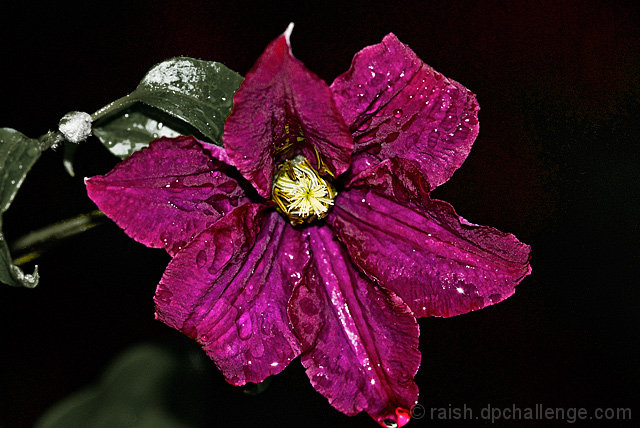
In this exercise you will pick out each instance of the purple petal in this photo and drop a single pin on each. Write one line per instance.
(229, 288)
(280, 104)
(217, 152)
(360, 343)
(397, 106)
(436, 261)
(164, 195)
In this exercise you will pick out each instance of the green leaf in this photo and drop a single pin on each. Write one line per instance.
(18, 153)
(11, 274)
(68, 155)
(132, 131)
(144, 387)
(198, 93)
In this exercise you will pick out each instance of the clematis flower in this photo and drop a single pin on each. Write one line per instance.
(312, 232)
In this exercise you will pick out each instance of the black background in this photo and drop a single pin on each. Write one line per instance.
(555, 163)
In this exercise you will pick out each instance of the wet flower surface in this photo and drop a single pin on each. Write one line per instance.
(340, 246)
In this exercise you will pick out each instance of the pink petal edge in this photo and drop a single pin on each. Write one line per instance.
(167, 193)
(398, 106)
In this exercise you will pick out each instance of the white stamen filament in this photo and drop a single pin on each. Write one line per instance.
(301, 192)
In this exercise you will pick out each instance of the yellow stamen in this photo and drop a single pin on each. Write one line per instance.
(300, 193)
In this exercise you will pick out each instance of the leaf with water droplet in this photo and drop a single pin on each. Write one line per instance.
(136, 128)
(195, 92)
(18, 153)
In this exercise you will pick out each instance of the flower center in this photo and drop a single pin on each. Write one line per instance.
(300, 193)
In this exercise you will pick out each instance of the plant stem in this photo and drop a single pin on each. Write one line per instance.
(33, 244)
(117, 105)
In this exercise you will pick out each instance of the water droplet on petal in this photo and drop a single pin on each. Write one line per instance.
(403, 416)
(257, 350)
(432, 139)
(366, 137)
(375, 105)
(244, 326)
(201, 259)
(397, 113)
(308, 306)
(391, 137)
(206, 208)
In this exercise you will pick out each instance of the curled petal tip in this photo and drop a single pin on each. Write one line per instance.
(390, 36)
(282, 106)
(287, 34)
